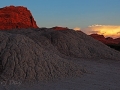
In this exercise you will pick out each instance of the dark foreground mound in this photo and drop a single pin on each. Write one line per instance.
(38, 54)
(24, 59)
(77, 44)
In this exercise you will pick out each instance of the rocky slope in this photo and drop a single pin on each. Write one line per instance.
(43, 54)
(24, 57)
(16, 17)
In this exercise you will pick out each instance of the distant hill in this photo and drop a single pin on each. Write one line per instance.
(113, 43)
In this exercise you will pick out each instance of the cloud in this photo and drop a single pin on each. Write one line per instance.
(77, 29)
(118, 32)
(106, 30)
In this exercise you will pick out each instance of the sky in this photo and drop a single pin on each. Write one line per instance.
(80, 14)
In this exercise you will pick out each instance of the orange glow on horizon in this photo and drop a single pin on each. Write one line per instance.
(76, 29)
(106, 30)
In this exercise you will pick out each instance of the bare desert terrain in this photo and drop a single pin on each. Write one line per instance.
(101, 75)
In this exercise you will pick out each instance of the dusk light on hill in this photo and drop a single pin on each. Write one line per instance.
(60, 45)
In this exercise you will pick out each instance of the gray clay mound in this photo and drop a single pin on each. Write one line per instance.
(37, 54)
(78, 44)
(69, 43)
(23, 59)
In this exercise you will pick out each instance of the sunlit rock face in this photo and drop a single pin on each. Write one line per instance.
(12, 17)
(59, 28)
(107, 40)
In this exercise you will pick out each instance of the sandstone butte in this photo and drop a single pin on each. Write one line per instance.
(12, 17)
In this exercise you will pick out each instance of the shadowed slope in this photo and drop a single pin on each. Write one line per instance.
(78, 44)
(69, 43)
(25, 60)
(37, 54)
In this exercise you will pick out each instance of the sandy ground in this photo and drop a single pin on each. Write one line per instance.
(103, 75)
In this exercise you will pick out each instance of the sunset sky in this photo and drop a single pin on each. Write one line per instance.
(102, 16)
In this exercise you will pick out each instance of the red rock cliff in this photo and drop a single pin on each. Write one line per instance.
(59, 28)
(108, 40)
(16, 17)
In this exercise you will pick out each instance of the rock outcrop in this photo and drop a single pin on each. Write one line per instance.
(107, 41)
(113, 43)
(59, 28)
(12, 17)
